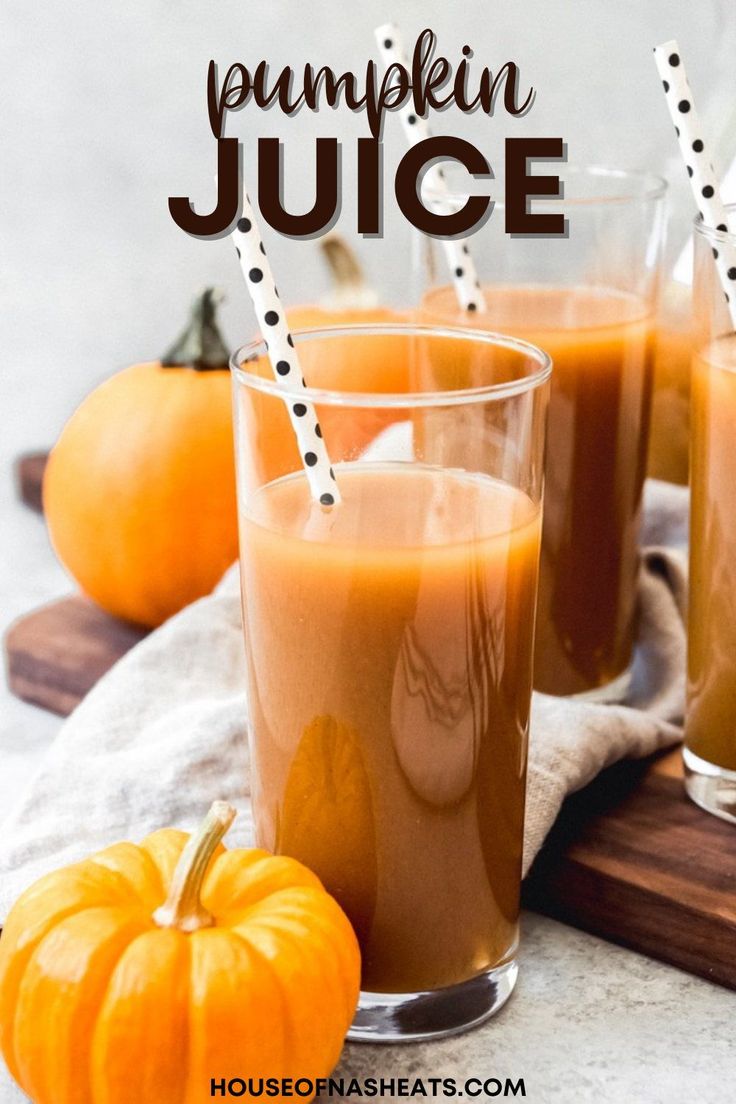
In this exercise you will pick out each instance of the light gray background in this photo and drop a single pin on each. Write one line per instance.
(102, 117)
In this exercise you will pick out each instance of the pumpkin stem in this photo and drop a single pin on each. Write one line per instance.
(183, 908)
(350, 289)
(201, 346)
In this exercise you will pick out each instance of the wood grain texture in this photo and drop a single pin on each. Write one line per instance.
(633, 860)
(29, 471)
(56, 654)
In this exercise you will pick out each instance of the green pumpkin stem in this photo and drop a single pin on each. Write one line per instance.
(201, 346)
(183, 907)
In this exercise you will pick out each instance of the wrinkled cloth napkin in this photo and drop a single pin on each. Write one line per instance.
(164, 732)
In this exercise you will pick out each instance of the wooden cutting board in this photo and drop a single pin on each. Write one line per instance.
(630, 859)
(56, 654)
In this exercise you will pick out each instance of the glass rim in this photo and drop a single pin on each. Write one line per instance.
(710, 234)
(653, 186)
(258, 347)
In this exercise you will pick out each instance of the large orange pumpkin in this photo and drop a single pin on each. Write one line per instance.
(353, 365)
(139, 491)
(351, 301)
(347, 363)
(145, 971)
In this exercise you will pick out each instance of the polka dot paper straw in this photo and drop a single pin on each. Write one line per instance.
(283, 355)
(695, 153)
(416, 129)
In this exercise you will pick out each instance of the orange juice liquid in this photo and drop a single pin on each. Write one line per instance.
(710, 729)
(389, 657)
(601, 345)
(669, 441)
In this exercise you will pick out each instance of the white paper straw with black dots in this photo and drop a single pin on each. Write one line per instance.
(460, 262)
(283, 355)
(694, 149)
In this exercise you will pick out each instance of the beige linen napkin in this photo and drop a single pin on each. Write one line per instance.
(164, 732)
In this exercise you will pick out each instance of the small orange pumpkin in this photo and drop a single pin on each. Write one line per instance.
(139, 491)
(145, 971)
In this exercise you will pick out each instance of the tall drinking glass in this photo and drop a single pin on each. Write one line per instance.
(710, 727)
(389, 654)
(589, 300)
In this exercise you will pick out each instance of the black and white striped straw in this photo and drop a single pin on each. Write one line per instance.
(697, 158)
(457, 251)
(283, 355)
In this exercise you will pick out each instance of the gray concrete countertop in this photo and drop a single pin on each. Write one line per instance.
(588, 1022)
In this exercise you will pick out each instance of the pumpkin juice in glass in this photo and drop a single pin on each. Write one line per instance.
(389, 654)
(588, 300)
(710, 722)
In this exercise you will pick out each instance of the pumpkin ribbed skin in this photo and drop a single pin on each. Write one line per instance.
(101, 1005)
(139, 491)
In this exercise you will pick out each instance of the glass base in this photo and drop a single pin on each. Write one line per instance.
(712, 788)
(613, 693)
(413, 1017)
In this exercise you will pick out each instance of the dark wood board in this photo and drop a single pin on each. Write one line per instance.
(633, 860)
(630, 859)
(56, 654)
(28, 472)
